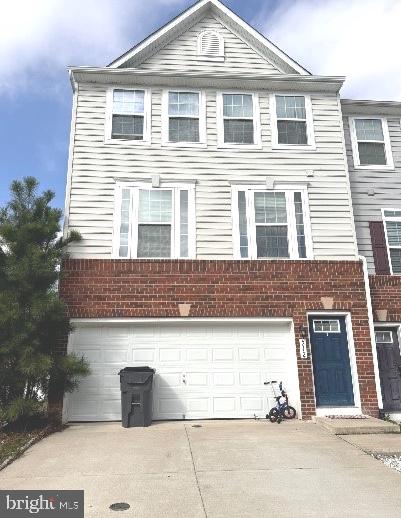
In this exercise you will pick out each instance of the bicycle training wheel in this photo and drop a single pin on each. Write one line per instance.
(289, 412)
(274, 415)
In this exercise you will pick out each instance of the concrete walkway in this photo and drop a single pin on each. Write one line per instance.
(222, 469)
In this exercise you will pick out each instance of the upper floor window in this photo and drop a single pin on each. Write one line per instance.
(270, 223)
(128, 115)
(392, 221)
(371, 143)
(184, 117)
(211, 45)
(292, 122)
(238, 121)
(155, 222)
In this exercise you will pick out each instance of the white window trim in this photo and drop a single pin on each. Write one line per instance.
(387, 144)
(289, 189)
(337, 331)
(147, 118)
(202, 119)
(257, 142)
(385, 219)
(133, 223)
(210, 57)
(310, 133)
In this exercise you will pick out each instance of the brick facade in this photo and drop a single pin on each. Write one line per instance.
(386, 295)
(94, 288)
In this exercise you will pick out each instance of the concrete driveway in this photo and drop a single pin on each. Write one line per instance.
(221, 469)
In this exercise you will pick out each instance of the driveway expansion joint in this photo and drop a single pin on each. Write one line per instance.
(195, 473)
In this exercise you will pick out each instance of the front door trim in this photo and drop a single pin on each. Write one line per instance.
(347, 410)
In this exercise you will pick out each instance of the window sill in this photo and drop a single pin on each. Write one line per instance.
(293, 147)
(127, 142)
(185, 145)
(375, 167)
(240, 147)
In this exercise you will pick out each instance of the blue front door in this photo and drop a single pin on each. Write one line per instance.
(331, 362)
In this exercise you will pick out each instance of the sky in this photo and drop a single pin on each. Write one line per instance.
(39, 39)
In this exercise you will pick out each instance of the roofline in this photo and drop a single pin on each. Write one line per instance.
(164, 28)
(130, 76)
(366, 107)
(193, 9)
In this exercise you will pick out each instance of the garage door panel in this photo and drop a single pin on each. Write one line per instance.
(248, 354)
(143, 355)
(197, 354)
(252, 404)
(168, 380)
(223, 354)
(202, 370)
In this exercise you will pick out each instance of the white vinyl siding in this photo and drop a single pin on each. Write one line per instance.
(373, 189)
(97, 166)
(182, 54)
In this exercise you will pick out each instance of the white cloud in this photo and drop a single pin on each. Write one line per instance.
(39, 38)
(356, 38)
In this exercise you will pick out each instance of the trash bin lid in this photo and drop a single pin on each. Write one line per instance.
(137, 369)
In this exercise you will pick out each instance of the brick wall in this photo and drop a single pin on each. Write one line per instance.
(386, 294)
(94, 288)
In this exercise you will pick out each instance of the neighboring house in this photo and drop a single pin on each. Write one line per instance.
(208, 177)
(373, 143)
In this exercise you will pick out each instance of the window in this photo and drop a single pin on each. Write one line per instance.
(184, 118)
(371, 143)
(384, 337)
(270, 223)
(392, 224)
(128, 115)
(155, 222)
(238, 119)
(292, 123)
(326, 326)
(211, 45)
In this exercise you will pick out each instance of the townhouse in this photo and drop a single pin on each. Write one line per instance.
(224, 198)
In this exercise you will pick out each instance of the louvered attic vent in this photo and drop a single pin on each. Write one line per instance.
(210, 45)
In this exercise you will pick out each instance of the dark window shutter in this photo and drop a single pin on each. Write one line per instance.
(379, 246)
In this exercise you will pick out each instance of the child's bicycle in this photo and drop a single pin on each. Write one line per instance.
(281, 410)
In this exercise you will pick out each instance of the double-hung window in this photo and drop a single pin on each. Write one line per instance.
(292, 122)
(392, 224)
(155, 222)
(184, 117)
(238, 119)
(370, 143)
(128, 117)
(270, 223)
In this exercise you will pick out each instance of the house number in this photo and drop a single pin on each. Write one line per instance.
(302, 348)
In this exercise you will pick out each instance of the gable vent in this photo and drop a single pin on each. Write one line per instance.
(210, 44)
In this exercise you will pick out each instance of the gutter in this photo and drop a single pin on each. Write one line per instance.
(372, 331)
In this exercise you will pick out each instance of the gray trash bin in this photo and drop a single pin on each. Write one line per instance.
(136, 396)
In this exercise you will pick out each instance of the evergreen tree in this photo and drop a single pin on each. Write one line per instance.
(32, 317)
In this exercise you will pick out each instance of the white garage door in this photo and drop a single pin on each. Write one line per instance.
(203, 369)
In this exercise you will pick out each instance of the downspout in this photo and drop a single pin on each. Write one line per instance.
(372, 330)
